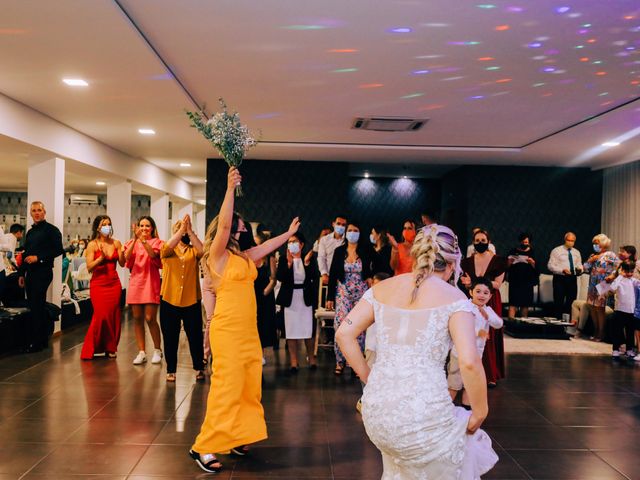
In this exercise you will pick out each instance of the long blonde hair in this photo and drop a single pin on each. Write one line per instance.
(434, 247)
(232, 245)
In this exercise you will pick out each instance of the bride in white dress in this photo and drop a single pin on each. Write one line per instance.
(406, 407)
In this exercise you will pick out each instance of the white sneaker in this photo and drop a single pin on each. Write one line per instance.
(615, 354)
(140, 359)
(157, 357)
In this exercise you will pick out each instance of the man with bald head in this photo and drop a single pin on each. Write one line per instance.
(43, 243)
(566, 264)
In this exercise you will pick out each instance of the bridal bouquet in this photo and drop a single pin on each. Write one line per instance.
(225, 132)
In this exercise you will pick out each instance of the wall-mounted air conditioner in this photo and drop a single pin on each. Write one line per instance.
(83, 199)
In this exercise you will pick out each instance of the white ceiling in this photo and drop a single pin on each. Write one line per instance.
(299, 72)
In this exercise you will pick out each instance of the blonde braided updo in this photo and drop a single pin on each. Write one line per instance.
(434, 247)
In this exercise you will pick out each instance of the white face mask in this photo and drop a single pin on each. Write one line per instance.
(106, 230)
(294, 248)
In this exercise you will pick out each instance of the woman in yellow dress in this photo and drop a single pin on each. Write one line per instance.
(235, 417)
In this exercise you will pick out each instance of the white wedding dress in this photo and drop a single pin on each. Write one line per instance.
(406, 407)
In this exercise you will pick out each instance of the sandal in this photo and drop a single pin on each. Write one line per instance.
(207, 462)
(242, 450)
(171, 377)
(339, 369)
(200, 376)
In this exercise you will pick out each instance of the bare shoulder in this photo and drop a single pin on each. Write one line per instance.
(452, 293)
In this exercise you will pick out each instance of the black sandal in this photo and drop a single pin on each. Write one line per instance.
(206, 462)
(241, 451)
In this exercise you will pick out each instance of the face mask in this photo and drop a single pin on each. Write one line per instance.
(481, 247)
(372, 239)
(353, 237)
(409, 235)
(106, 230)
(81, 248)
(523, 246)
(596, 248)
(294, 248)
(339, 229)
(185, 239)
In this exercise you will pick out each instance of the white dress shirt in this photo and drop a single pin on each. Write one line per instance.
(326, 247)
(559, 260)
(625, 293)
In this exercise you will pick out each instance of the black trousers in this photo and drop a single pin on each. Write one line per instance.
(622, 330)
(565, 291)
(171, 318)
(37, 329)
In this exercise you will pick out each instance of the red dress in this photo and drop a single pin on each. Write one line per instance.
(493, 355)
(105, 291)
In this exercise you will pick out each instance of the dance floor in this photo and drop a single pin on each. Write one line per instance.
(556, 417)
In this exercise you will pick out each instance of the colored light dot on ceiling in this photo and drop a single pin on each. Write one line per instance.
(421, 72)
(575, 15)
(584, 59)
(549, 69)
(492, 68)
(485, 59)
(371, 85)
(515, 9)
(629, 17)
(412, 95)
(400, 30)
(435, 106)
(635, 82)
(503, 80)
(591, 40)
(304, 27)
(603, 94)
(536, 85)
(486, 6)
(563, 9)
(579, 47)
(600, 74)
(345, 70)
(583, 31)
(502, 28)
(547, 94)
(597, 62)
(477, 97)
(342, 50)
(534, 45)
(586, 25)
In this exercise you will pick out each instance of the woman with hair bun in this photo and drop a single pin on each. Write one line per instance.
(600, 265)
(406, 408)
(103, 254)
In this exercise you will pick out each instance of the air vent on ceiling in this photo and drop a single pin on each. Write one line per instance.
(389, 124)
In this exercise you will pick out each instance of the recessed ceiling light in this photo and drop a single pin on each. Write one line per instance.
(146, 131)
(185, 164)
(610, 144)
(101, 184)
(366, 174)
(75, 82)
(404, 176)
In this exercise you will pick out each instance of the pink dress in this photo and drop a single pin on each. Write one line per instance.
(144, 282)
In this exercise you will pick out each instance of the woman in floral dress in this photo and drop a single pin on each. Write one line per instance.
(602, 263)
(349, 277)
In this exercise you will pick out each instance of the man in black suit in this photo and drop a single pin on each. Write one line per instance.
(43, 243)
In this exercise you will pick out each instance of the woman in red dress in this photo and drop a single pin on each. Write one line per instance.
(103, 253)
(484, 263)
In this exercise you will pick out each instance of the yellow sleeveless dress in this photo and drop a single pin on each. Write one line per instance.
(234, 413)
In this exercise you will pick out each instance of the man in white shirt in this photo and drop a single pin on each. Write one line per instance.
(328, 244)
(565, 263)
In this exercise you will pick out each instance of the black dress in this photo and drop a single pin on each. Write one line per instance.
(522, 278)
(266, 306)
(381, 260)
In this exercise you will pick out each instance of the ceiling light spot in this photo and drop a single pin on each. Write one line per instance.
(184, 164)
(75, 82)
(371, 85)
(304, 27)
(562, 9)
(343, 50)
(101, 184)
(412, 95)
(485, 59)
(502, 28)
(400, 30)
(345, 70)
(146, 131)
(611, 144)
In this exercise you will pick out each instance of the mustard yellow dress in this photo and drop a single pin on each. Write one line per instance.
(234, 413)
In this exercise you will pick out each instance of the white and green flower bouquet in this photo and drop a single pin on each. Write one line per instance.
(228, 136)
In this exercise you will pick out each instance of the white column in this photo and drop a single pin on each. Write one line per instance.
(119, 209)
(160, 214)
(201, 224)
(46, 185)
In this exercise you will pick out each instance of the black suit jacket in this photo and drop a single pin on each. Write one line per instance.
(284, 275)
(336, 273)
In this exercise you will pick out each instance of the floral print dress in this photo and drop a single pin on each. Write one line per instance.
(598, 270)
(348, 293)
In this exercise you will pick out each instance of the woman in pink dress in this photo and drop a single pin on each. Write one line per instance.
(103, 254)
(142, 258)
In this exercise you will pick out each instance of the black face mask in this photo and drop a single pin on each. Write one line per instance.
(524, 246)
(185, 239)
(246, 241)
(481, 247)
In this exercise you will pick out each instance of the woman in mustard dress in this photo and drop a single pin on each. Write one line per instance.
(235, 417)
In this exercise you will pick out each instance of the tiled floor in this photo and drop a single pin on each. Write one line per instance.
(556, 417)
